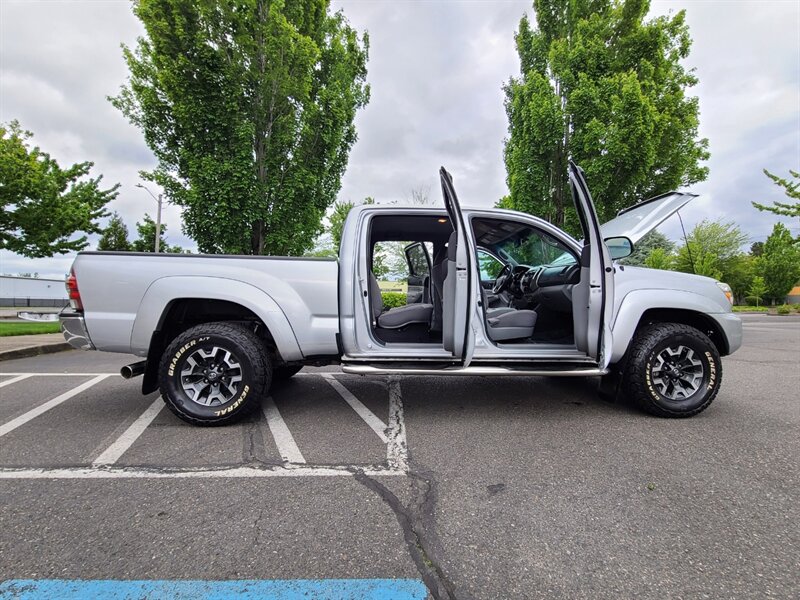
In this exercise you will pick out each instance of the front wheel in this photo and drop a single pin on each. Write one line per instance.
(673, 370)
(214, 373)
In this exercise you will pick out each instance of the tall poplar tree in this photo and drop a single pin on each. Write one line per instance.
(607, 88)
(248, 105)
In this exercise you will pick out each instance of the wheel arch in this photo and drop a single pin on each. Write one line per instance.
(698, 320)
(170, 307)
(647, 306)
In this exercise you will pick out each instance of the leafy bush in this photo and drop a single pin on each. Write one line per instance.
(750, 308)
(393, 299)
(784, 309)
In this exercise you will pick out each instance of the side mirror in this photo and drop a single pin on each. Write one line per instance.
(619, 247)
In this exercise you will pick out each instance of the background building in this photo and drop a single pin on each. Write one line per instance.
(32, 291)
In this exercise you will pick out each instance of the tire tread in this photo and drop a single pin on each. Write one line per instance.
(633, 385)
(256, 353)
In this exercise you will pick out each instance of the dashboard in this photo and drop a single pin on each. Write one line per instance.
(548, 285)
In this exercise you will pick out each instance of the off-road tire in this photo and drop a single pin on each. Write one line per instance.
(638, 381)
(284, 372)
(248, 352)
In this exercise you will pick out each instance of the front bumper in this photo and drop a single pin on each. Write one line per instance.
(73, 326)
(731, 326)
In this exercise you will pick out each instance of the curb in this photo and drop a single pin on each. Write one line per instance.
(29, 351)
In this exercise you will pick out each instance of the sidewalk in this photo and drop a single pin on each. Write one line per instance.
(20, 346)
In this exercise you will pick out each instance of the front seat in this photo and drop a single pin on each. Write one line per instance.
(395, 318)
(504, 323)
(438, 274)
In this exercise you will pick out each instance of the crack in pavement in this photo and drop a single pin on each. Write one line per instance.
(257, 527)
(416, 522)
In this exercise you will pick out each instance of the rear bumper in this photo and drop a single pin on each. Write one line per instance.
(731, 326)
(73, 326)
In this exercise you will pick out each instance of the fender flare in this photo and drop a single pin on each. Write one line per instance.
(165, 290)
(634, 304)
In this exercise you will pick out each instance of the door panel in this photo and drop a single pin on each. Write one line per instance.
(593, 297)
(461, 282)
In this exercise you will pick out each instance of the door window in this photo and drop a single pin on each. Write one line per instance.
(489, 266)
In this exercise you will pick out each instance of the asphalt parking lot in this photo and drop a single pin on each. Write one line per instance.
(469, 487)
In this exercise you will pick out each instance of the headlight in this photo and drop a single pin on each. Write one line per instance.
(726, 289)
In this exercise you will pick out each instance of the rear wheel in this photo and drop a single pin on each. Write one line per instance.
(673, 370)
(214, 373)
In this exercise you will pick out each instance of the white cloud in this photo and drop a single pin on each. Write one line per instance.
(436, 71)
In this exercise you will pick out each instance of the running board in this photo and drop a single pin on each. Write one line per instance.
(485, 371)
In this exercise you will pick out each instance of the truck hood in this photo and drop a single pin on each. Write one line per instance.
(640, 219)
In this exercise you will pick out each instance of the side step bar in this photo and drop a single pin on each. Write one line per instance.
(477, 370)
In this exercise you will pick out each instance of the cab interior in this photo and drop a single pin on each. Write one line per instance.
(528, 278)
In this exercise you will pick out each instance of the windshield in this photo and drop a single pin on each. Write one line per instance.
(533, 248)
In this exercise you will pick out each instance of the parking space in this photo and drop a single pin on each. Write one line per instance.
(99, 425)
(469, 487)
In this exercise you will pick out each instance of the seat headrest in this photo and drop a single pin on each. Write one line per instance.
(440, 255)
(375, 296)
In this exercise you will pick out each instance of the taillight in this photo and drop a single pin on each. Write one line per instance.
(72, 291)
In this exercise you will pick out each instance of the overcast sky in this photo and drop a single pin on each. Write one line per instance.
(436, 70)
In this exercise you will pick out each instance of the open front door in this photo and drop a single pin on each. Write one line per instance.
(458, 298)
(593, 297)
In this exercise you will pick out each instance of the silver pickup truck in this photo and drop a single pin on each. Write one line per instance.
(498, 293)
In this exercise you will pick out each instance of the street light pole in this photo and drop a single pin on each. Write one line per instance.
(158, 224)
(158, 215)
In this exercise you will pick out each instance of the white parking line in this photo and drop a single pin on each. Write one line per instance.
(113, 453)
(104, 466)
(378, 426)
(14, 379)
(287, 447)
(62, 374)
(397, 445)
(43, 408)
(213, 473)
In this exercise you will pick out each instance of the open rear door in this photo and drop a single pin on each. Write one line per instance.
(593, 298)
(458, 302)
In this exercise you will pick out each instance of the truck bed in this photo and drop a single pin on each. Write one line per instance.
(126, 295)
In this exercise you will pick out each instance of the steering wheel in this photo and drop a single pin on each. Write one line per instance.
(502, 280)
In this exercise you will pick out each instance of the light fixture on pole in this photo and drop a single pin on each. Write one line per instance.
(158, 214)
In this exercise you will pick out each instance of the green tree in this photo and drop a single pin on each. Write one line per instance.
(756, 249)
(711, 249)
(660, 258)
(791, 189)
(606, 88)
(739, 274)
(380, 268)
(780, 263)
(338, 216)
(757, 289)
(44, 206)
(115, 235)
(654, 240)
(146, 242)
(248, 106)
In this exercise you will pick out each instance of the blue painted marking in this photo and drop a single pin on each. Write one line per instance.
(274, 589)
